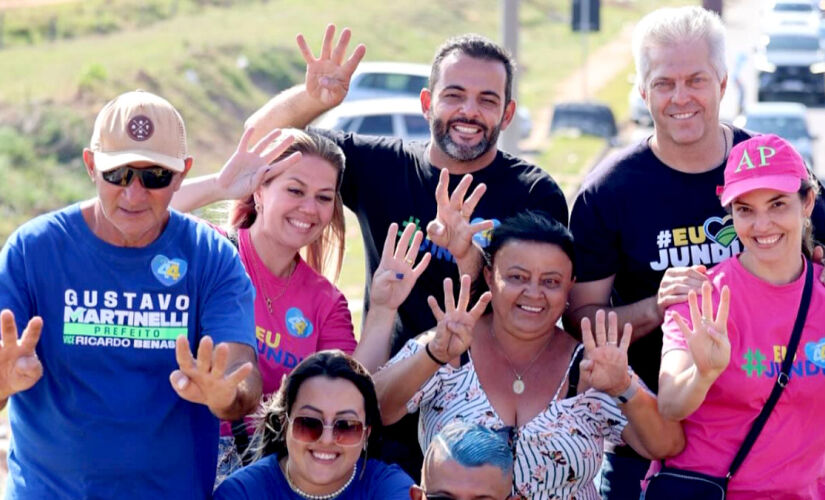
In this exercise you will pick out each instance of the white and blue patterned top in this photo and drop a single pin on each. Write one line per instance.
(557, 453)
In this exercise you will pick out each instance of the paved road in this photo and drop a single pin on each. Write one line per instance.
(743, 22)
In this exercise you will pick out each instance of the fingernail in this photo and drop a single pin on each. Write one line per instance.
(182, 381)
(399, 276)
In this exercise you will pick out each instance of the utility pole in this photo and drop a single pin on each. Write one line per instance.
(509, 37)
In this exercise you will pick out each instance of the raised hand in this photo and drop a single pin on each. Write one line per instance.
(453, 333)
(604, 366)
(204, 380)
(676, 283)
(328, 76)
(247, 169)
(707, 340)
(451, 228)
(396, 276)
(19, 366)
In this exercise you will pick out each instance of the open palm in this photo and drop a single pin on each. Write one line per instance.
(604, 366)
(707, 338)
(451, 228)
(396, 276)
(453, 333)
(328, 76)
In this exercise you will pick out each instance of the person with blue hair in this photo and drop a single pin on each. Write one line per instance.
(466, 461)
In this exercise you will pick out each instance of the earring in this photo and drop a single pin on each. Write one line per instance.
(807, 222)
(257, 207)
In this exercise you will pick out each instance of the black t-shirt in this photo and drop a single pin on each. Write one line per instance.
(387, 180)
(635, 217)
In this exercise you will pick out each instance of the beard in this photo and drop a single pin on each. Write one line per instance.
(460, 152)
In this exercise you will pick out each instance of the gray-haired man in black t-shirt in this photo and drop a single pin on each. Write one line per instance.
(647, 222)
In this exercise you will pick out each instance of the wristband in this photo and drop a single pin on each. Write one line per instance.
(628, 393)
(432, 356)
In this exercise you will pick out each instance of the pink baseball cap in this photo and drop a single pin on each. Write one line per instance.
(762, 162)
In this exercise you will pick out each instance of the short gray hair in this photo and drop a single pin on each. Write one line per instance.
(672, 25)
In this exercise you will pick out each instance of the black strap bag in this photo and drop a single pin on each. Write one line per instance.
(671, 483)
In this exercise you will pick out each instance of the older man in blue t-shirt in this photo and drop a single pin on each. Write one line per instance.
(106, 397)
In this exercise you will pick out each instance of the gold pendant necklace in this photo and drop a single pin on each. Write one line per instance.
(293, 266)
(518, 383)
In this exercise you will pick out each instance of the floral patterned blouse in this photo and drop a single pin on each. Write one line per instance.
(557, 453)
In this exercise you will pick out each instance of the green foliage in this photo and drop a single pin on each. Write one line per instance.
(275, 68)
(91, 77)
(16, 150)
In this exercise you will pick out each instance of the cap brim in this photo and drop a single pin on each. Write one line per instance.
(784, 183)
(110, 161)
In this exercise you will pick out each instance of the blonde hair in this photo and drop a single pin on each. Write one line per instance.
(326, 253)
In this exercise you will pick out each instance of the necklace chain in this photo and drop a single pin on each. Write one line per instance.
(310, 496)
(518, 384)
(269, 300)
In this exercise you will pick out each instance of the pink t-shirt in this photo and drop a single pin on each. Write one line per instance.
(788, 459)
(308, 315)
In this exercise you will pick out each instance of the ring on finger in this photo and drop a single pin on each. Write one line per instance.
(409, 260)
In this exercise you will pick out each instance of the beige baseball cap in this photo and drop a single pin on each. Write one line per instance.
(138, 126)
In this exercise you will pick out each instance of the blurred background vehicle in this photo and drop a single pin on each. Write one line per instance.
(790, 65)
(785, 119)
(590, 118)
(391, 116)
(639, 113)
(373, 80)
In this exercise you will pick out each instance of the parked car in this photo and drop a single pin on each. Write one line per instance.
(638, 108)
(790, 64)
(394, 117)
(591, 118)
(792, 13)
(372, 80)
(785, 119)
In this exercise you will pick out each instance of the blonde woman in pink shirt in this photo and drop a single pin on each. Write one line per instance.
(289, 206)
(721, 360)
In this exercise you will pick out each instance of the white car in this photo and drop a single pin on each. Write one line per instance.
(393, 117)
(373, 80)
(785, 119)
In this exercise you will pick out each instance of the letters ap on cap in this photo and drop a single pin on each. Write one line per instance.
(762, 162)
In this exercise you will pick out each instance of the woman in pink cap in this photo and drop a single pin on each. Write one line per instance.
(722, 359)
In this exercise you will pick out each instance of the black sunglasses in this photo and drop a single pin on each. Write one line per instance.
(150, 177)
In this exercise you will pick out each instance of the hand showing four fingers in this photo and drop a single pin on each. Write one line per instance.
(604, 366)
(707, 340)
(328, 76)
(453, 333)
(396, 276)
(247, 169)
(451, 228)
(204, 379)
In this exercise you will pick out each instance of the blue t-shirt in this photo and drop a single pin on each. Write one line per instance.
(104, 421)
(264, 479)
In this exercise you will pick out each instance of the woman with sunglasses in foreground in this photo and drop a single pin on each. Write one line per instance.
(316, 435)
(282, 208)
(511, 369)
(721, 361)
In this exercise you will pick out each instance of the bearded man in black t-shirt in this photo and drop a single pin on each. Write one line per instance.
(467, 102)
(647, 222)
